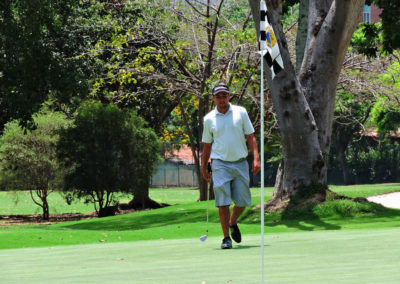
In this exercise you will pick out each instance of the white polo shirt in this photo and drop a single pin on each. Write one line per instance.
(227, 133)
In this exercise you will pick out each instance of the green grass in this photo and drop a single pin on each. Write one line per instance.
(20, 202)
(187, 220)
(365, 190)
(339, 241)
(341, 256)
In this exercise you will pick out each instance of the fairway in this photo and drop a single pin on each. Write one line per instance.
(344, 256)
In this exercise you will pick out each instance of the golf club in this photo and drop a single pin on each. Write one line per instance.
(203, 238)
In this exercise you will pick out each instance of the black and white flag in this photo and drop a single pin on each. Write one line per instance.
(269, 47)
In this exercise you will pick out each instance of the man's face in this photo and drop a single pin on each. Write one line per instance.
(222, 100)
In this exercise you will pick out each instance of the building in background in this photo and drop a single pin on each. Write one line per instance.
(177, 170)
(371, 14)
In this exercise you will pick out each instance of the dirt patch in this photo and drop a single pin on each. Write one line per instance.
(36, 219)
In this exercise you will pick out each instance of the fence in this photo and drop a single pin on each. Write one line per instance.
(171, 174)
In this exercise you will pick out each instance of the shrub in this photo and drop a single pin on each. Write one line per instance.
(107, 150)
(28, 157)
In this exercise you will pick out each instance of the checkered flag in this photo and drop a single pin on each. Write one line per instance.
(268, 45)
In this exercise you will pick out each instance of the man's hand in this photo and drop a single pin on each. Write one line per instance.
(251, 140)
(256, 166)
(206, 174)
(204, 161)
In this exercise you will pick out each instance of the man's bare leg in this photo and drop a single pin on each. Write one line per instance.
(227, 219)
(236, 213)
(224, 217)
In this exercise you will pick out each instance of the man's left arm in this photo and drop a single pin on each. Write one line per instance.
(251, 141)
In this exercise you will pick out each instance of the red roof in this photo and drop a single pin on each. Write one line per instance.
(184, 154)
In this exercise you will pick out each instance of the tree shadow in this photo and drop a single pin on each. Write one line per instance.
(310, 222)
(301, 216)
(248, 246)
(133, 221)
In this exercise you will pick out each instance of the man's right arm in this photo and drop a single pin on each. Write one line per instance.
(204, 160)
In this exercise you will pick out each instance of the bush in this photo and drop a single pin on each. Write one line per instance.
(368, 162)
(28, 157)
(107, 150)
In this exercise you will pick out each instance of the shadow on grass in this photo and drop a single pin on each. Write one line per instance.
(248, 247)
(141, 220)
(330, 215)
(304, 217)
(310, 224)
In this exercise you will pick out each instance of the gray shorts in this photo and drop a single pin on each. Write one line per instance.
(231, 183)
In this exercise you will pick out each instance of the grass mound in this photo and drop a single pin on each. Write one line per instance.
(335, 213)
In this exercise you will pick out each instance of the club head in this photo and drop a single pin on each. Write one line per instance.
(203, 238)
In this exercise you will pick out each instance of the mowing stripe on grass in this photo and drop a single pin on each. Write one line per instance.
(346, 256)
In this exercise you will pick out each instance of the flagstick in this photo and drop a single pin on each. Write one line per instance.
(262, 166)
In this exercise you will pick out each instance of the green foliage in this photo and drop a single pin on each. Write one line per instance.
(378, 165)
(386, 118)
(33, 63)
(386, 112)
(365, 160)
(357, 156)
(391, 77)
(132, 59)
(291, 15)
(370, 162)
(107, 150)
(368, 39)
(385, 37)
(346, 208)
(390, 17)
(28, 157)
(287, 4)
(332, 209)
(235, 12)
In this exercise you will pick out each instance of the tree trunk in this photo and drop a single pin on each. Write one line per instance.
(203, 185)
(334, 23)
(304, 105)
(204, 99)
(343, 139)
(343, 164)
(46, 214)
(301, 38)
(42, 194)
(141, 200)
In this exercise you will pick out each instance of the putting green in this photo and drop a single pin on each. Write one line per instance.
(342, 256)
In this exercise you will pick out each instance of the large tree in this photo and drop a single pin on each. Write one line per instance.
(304, 100)
(304, 97)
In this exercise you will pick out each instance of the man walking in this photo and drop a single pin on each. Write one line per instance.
(226, 130)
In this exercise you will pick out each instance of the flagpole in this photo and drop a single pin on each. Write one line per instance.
(268, 47)
(262, 164)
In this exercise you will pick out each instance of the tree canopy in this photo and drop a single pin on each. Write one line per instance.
(32, 60)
